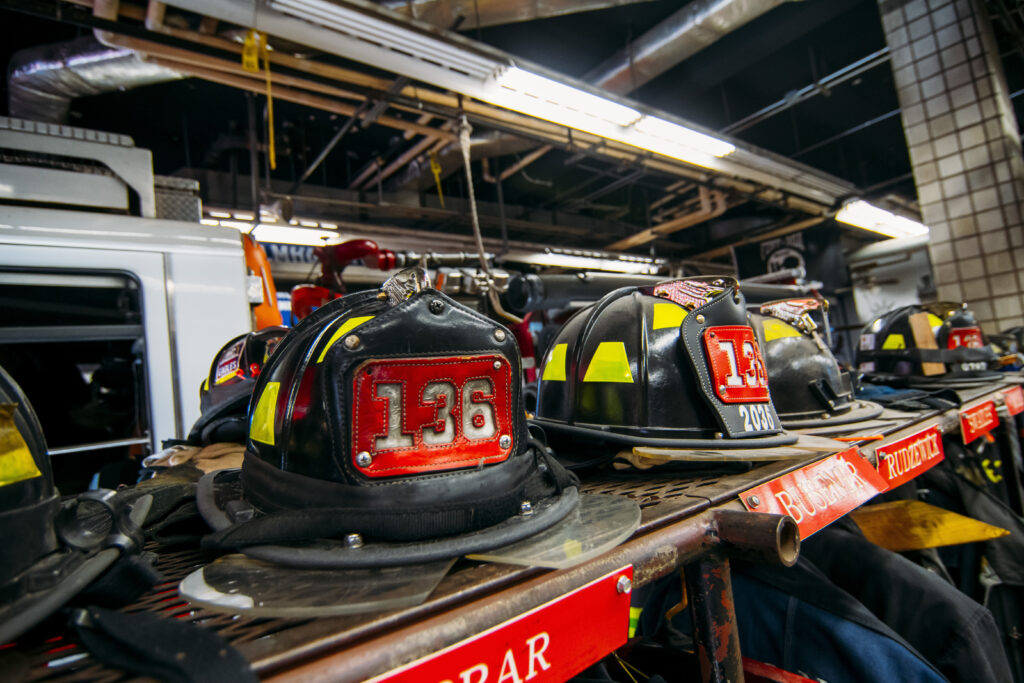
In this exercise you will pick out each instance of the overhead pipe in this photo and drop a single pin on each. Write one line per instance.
(680, 36)
(42, 81)
(480, 13)
(712, 204)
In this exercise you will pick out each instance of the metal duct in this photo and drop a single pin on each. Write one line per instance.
(478, 13)
(678, 37)
(42, 80)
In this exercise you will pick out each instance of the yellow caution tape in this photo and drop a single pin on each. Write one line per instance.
(667, 315)
(262, 426)
(894, 342)
(16, 461)
(345, 328)
(609, 364)
(554, 368)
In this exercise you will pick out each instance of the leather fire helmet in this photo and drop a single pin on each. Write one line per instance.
(388, 428)
(947, 347)
(808, 387)
(50, 552)
(225, 394)
(673, 365)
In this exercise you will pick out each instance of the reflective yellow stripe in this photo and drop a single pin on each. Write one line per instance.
(345, 328)
(776, 329)
(634, 619)
(16, 461)
(667, 315)
(206, 384)
(554, 367)
(609, 364)
(225, 378)
(894, 342)
(262, 426)
(571, 547)
(934, 320)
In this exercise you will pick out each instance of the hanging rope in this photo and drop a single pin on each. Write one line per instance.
(492, 293)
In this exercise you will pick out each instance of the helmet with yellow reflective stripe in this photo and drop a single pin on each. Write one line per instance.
(51, 549)
(225, 393)
(394, 417)
(937, 342)
(808, 387)
(674, 364)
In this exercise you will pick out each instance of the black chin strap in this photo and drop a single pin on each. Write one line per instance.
(399, 522)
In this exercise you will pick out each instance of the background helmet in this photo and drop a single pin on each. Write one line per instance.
(224, 395)
(808, 387)
(888, 346)
(29, 502)
(50, 551)
(674, 364)
(395, 418)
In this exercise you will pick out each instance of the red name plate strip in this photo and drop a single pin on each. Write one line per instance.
(1014, 399)
(820, 493)
(901, 461)
(550, 643)
(978, 420)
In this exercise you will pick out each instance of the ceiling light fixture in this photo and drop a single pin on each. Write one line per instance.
(861, 214)
(282, 234)
(545, 98)
(363, 35)
(671, 139)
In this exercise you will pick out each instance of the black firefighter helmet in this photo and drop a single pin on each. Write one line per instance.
(947, 334)
(673, 365)
(50, 552)
(388, 428)
(808, 387)
(225, 393)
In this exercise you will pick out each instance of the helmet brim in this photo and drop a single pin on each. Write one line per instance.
(608, 436)
(860, 412)
(978, 379)
(220, 501)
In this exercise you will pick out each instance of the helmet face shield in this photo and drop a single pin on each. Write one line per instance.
(674, 363)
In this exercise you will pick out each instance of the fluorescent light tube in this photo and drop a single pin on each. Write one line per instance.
(531, 93)
(671, 139)
(861, 214)
(282, 234)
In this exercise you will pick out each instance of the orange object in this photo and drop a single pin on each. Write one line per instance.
(266, 314)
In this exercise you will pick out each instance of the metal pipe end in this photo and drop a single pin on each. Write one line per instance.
(757, 537)
(787, 541)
